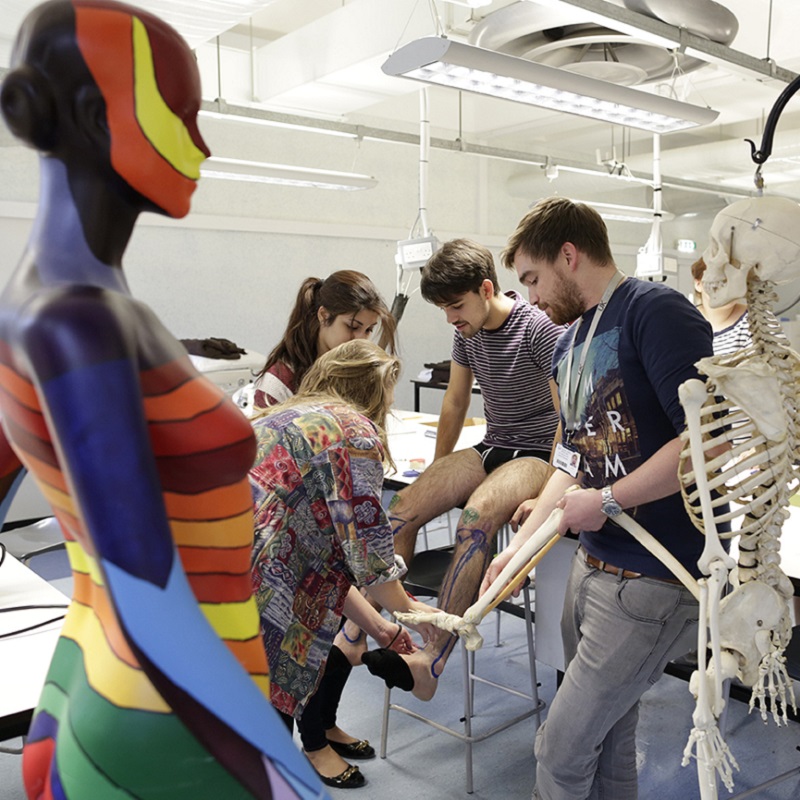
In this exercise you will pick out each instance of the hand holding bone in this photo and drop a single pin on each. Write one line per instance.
(510, 577)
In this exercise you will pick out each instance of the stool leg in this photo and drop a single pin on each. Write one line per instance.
(503, 538)
(526, 594)
(387, 697)
(467, 714)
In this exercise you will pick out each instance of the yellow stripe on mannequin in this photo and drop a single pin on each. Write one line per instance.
(162, 127)
(121, 684)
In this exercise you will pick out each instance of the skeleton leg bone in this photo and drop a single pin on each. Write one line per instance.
(512, 575)
(705, 743)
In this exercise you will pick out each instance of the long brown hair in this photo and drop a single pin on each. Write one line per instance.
(342, 292)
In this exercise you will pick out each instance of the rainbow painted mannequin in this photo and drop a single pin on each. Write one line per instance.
(158, 685)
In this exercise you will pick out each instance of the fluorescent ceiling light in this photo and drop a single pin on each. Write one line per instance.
(470, 3)
(617, 213)
(234, 169)
(256, 117)
(441, 61)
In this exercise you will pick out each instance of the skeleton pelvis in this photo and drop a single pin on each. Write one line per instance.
(747, 616)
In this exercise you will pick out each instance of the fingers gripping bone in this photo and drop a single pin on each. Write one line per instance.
(510, 576)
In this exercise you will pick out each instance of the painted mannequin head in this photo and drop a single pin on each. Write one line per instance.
(107, 87)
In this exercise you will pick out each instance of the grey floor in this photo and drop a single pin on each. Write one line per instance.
(425, 763)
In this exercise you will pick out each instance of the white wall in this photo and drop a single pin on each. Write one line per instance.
(232, 267)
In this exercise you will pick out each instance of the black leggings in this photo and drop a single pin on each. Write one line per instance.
(319, 714)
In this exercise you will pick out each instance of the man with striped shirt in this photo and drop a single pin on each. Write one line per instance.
(507, 344)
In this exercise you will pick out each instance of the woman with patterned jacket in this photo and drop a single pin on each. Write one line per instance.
(319, 525)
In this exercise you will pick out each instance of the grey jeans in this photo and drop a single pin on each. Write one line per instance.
(618, 634)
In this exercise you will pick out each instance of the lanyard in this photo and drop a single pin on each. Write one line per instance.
(571, 406)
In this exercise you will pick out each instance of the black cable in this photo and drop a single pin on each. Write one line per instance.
(31, 627)
(35, 607)
(399, 306)
(761, 155)
(36, 625)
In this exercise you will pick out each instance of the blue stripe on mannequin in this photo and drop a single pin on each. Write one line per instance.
(188, 651)
(105, 453)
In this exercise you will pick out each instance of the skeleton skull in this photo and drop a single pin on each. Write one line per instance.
(759, 235)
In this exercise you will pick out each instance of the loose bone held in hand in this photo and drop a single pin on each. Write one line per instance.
(512, 575)
(518, 568)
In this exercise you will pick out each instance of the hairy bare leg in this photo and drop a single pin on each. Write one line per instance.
(444, 485)
(489, 507)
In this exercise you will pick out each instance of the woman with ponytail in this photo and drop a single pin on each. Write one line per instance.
(344, 306)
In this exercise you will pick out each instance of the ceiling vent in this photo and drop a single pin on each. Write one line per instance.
(553, 36)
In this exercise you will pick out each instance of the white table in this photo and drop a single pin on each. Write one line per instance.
(412, 437)
(24, 658)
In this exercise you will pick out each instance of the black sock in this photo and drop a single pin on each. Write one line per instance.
(390, 666)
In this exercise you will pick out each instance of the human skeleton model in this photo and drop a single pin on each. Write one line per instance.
(749, 405)
(748, 411)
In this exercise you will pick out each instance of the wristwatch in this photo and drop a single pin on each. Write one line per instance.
(608, 505)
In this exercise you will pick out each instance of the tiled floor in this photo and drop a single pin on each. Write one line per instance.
(424, 763)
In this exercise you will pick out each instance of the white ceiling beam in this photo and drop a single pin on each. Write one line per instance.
(366, 132)
(357, 32)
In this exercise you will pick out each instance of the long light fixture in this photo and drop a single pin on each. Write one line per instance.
(220, 110)
(611, 211)
(234, 169)
(442, 61)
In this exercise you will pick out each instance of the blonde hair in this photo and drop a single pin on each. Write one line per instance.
(357, 373)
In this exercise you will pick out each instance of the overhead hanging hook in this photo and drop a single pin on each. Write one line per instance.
(761, 155)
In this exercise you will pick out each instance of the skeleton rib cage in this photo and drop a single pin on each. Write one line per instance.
(760, 471)
(742, 426)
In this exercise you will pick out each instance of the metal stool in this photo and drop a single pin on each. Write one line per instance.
(424, 578)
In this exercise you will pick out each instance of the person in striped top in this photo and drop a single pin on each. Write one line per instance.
(728, 322)
(507, 344)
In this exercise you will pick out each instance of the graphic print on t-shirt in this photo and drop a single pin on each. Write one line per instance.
(606, 434)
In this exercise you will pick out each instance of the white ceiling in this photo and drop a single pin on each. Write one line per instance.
(322, 58)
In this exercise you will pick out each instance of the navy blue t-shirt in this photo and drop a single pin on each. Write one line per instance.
(645, 346)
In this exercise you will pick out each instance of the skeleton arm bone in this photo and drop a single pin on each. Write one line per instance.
(648, 541)
(692, 395)
(521, 564)
(705, 741)
(518, 567)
